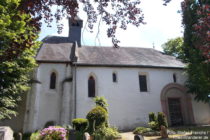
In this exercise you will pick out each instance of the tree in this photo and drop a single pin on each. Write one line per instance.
(15, 32)
(196, 47)
(174, 47)
(195, 50)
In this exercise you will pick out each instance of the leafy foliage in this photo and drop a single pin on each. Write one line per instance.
(152, 117)
(17, 32)
(14, 71)
(141, 130)
(105, 133)
(195, 50)
(154, 125)
(35, 136)
(80, 124)
(128, 12)
(161, 119)
(174, 47)
(115, 13)
(155, 122)
(101, 101)
(97, 118)
(98, 121)
(196, 47)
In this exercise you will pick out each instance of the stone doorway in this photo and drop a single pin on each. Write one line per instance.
(176, 104)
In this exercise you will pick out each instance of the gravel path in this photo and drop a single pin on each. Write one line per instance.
(127, 136)
(130, 136)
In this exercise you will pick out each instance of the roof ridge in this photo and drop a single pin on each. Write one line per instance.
(83, 46)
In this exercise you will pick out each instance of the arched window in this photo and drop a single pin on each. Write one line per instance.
(91, 87)
(143, 82)
(114, 77)
(52, 80)
(174, 77)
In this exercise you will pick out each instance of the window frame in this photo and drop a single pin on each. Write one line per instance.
(174, 77)
(147, 81)
(53, 81)
(114, 77)
(91, 95)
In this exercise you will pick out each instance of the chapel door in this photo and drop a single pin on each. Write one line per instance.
(175, 111)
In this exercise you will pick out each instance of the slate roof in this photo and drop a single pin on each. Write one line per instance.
(56, 39)
(51, 52)
(59, 49)
(126, 56)
(55, 49)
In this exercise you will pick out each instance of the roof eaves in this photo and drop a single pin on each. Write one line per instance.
(53, 61)
(124, 65)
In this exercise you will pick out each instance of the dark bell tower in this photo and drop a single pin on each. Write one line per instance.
(75, 29)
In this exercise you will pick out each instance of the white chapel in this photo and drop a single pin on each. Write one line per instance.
(135, 81)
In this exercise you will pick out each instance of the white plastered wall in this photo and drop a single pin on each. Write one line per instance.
(128, 107)
(201, 112)
(49, 104)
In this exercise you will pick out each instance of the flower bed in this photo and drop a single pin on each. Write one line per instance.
(53, 133)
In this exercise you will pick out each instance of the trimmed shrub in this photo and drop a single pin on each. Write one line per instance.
(154, 125)
(53, 133)
(141, 130)
(97, 118)
(101, 101)
(80, 124)
(161, 119)
(105, 133)
(152, 117)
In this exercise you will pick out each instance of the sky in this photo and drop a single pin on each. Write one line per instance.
(162, 23)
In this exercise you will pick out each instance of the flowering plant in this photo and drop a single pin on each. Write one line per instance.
(53, 133)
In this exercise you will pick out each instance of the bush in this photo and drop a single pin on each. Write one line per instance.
(97, 118)
(79, 135)
(80, 124)
(35, 136)
(154, 125)
(152, 117)
(53, 133)
(101, 101)
(161, 119)
(49, 123)
(106, 133)
(141, 130)
(151, 133)
(26, 136)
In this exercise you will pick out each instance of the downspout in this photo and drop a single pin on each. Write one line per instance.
(61, 100)
(73, 89)
(75, 86)
(74, 75)
(68, 78)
